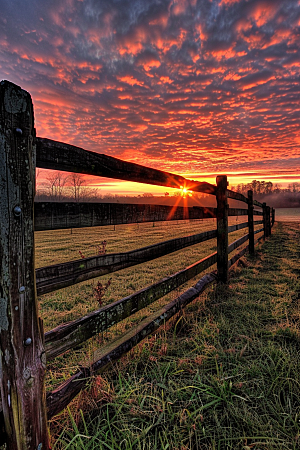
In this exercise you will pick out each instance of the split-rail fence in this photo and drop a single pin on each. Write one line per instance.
(24, 348)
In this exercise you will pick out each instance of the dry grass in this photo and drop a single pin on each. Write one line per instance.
(78, 300)
(223, 375)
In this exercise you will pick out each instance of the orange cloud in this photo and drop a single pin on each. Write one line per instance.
(263, 12)
(131, 80)
(228, 2)
(177, 84)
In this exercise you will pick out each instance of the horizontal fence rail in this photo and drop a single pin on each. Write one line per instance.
(242, 252)
(58, 276)
(236, 196)
(242, 212)
(237, 243)
(256, 203)
(240, 226)
(56, 215)
(60, 215)
(60, 156)
(51, 278)
(69, 335)
(58, 399)
(259, 231)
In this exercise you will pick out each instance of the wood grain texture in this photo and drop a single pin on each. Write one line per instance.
(222, 229)
(22, 357)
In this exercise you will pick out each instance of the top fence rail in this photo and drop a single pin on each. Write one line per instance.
(56, 155)
(59, 156)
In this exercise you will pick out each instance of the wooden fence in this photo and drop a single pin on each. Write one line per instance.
(24, 348)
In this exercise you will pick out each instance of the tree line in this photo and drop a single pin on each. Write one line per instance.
(265, 188)
(59, 186)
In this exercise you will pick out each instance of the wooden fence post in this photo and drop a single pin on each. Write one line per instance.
(250, 222)
(222, 229)
(22, 356)
(273, 216)
(265, 220)
(269, 220)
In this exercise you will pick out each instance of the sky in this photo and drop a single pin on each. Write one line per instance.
(193, 87)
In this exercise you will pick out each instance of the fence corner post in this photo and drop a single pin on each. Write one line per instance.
(222, 229)
(22, 356)
(250, 222)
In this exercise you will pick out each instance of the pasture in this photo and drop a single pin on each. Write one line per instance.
(78, 300)
(224, 374)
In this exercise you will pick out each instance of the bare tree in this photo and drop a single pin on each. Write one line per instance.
(90, 195)
(77, 182)
(55, 185)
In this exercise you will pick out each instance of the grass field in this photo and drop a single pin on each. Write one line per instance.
(61, 246)
(223, 375)
(76, 301)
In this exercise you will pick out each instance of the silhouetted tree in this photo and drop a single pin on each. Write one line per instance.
(55, 184)
(77, 182)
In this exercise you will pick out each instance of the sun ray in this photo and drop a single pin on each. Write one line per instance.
(172, 212)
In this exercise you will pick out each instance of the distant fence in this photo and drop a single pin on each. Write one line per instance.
(24, 348)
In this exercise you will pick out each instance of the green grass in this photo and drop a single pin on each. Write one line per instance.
(223, 375)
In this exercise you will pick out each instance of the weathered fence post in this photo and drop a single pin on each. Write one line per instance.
(22, 357)
(222, 229)
(250, 222)
(265, 220)
(273, 216)
(269, 220)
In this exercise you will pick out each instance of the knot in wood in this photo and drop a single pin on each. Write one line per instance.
(26, 373)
